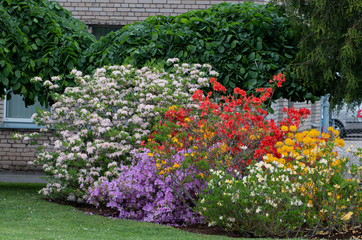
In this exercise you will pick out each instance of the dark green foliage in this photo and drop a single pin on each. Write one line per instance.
(246, 43)
(330, 50)
(38, 38)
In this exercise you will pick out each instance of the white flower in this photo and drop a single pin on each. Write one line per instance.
(258, 210)
(36, 79)
(323, 161)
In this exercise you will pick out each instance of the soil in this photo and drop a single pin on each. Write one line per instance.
(355, 233)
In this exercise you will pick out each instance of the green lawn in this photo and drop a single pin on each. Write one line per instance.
(24, 215)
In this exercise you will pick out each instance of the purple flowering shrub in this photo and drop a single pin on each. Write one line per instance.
(139, 193)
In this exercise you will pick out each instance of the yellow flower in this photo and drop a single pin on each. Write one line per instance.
(289, 142)
(339, 142)
(187, 119)
(290, 135)
(293, 128)
(284, 128)
(325, 135)
(176, 165)
(162, 172)
(201, 174)
(172, 108)
(150, 154)
(347, 216)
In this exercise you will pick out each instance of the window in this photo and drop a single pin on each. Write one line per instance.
(100, 31)
(17, 115)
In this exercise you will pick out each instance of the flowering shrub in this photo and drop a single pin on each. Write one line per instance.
(299, 194)
(140, 194)
(98, 123)
(227, 134)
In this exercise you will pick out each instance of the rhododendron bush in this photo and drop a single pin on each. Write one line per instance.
(96, 124)
(139, 194)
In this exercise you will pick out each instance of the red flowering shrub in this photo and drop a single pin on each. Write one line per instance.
(226, 133)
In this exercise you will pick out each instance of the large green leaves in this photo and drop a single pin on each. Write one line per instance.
(38, 38)
(246, 43)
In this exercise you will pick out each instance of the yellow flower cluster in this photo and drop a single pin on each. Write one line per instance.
(162, 166)
(305, 145)
(300, 154)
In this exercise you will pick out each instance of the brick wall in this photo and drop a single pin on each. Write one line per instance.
(15, 154)
(122, 12)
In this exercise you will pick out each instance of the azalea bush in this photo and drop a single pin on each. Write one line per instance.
(98, 123)
(224, 132)
(300, 194)
(140, 194)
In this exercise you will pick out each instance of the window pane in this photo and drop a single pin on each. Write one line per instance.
(15, 108)
(100, 31)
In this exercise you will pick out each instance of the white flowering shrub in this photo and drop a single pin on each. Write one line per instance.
(108, 114)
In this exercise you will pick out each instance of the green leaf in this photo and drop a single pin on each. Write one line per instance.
(32, 63)
(33, 46)
(17, 74)
(208, 46)
(154, 36)
(242, 70)
(2, 63)
(233, 44)
(251, 56)
(24, 91)
(221, 49)
(70, 65)
(184, 20)
(5, 81)
(259, 46)
(16, 86)
(192, 49)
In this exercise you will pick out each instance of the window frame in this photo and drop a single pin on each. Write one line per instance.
(18, 123)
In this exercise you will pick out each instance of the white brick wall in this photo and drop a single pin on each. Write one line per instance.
(122, 12)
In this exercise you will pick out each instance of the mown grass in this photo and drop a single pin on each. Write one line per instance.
(25, 215)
